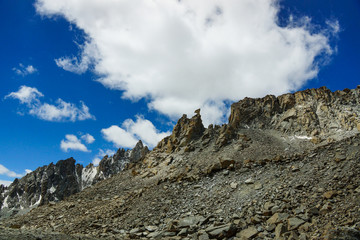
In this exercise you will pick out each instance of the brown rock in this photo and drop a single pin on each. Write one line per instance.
(330, 194)
(280, 229)
(294, 223)
(277, 217)
(247, 233)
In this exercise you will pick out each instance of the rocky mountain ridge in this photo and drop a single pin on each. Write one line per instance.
(54, 182)
(284, 167)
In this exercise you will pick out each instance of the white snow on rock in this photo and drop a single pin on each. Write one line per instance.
(88, 175)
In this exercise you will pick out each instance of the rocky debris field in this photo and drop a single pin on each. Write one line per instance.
(256, 178)
(309, 195)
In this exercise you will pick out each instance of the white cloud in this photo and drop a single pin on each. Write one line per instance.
(119, 137)
(79, 65)
(5, 182)
(96, 161)
(7, 172)
(28, 170)
(101, 154)
(182, 55)
(130, 132)
(62, 111)
(26, 95)
(88, 138)
(23, 71)
(73, 143)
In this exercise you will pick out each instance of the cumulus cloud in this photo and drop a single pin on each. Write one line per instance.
(131, 132)
(88, 138)
(9, 173)
(61, 111)
(182, 55)
(24, 70)
(96, 160)
(72, 142)
(119, 136)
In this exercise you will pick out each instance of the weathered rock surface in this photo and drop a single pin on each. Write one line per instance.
(54, 182)
(311, 112)
(283, 168)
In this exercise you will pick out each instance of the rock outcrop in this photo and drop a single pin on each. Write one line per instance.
(309, 112)
(54, 182)
(185, 131)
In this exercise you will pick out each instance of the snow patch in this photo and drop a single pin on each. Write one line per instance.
(87, 176)
(5, 203)
(52, 189)
(303, 137)
(37, 202)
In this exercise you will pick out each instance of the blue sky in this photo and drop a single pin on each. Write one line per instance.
(82, 78)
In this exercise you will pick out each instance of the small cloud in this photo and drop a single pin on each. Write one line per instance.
(96, 161)
(334, 26)
(5, 183)
(88, 138)
(28, 171)
(73, 143)
(131, 132)
(101, 154)
(60, 112)
(7, 172)
(23, 71)
(26, 95)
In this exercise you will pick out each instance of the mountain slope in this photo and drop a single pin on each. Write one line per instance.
(284, 167)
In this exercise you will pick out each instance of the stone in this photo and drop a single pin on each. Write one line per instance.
(151, 228)
(294, 223)
(330, 194)
(277, 217)
(183, 232)
(203, 236)
(233, 185)
(247, 233)
(222, 231)
(173, 226)
(268, 205)
(134, 230)
(303, 236)
(280, 229)
(190, 221)
(226, 163)
(154, 235)
(325, 208)
(258, 186)
(249, 181)
(340, 157)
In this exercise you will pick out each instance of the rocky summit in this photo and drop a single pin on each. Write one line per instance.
(285, 167)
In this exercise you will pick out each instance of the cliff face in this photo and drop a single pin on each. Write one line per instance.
(54, 182)
(309, 112)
